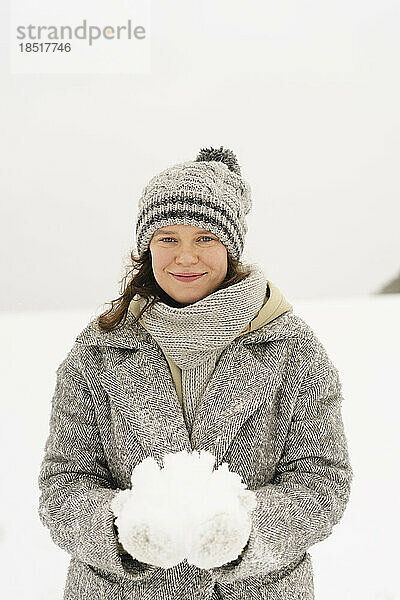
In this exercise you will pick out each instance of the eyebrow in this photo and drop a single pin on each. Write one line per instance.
(162, 232)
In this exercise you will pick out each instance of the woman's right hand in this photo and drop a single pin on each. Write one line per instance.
(149, 537)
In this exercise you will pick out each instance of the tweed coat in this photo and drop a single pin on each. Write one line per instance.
(272, 411)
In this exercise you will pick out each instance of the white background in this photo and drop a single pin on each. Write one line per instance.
(306, 93)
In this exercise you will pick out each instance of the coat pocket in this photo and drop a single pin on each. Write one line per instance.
(296, 585)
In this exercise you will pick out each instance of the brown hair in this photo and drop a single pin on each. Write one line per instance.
(144, 283)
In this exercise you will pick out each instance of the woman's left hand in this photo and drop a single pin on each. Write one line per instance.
(236, 561)
(220, 538)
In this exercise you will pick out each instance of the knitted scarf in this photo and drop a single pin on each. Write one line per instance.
(190, 334)
(195, 335)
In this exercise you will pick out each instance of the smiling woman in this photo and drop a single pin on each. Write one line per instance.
(209, 356)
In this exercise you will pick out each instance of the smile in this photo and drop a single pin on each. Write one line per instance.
(187, 278)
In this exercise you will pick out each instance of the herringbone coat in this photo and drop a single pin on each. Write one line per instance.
(272, 411)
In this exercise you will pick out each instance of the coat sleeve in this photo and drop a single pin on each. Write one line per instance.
(312, 480)
(76, 486)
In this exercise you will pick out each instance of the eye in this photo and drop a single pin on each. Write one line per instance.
(207, 237)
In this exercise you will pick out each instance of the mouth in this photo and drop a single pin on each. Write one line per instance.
(187, 277)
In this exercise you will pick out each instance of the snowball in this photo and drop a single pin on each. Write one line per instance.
(187, 509)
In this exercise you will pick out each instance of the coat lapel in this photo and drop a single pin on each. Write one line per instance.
(239, 385)
(142, 389)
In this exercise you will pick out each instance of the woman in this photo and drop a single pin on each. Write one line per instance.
(199, 352)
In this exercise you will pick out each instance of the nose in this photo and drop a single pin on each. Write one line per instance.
(186, 255)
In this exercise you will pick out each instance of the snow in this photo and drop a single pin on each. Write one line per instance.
(184, 510)
(359, 558)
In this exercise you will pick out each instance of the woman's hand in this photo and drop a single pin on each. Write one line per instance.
(198, 513)
(236, 561)
(222, 538)
(145, 533)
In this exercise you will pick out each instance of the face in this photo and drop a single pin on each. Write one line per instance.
(185, 250)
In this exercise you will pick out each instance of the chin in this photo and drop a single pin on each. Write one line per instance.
(189, 299)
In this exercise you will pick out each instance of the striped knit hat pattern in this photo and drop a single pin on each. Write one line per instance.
(207, 192)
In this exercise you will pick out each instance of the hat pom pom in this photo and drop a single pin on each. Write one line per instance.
(223, 155)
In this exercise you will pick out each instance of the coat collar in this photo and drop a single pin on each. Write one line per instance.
(141, 387)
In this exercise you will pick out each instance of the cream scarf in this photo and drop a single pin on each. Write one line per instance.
(195, 335)
(190, 334)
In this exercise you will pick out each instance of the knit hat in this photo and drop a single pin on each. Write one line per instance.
(206, 192)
